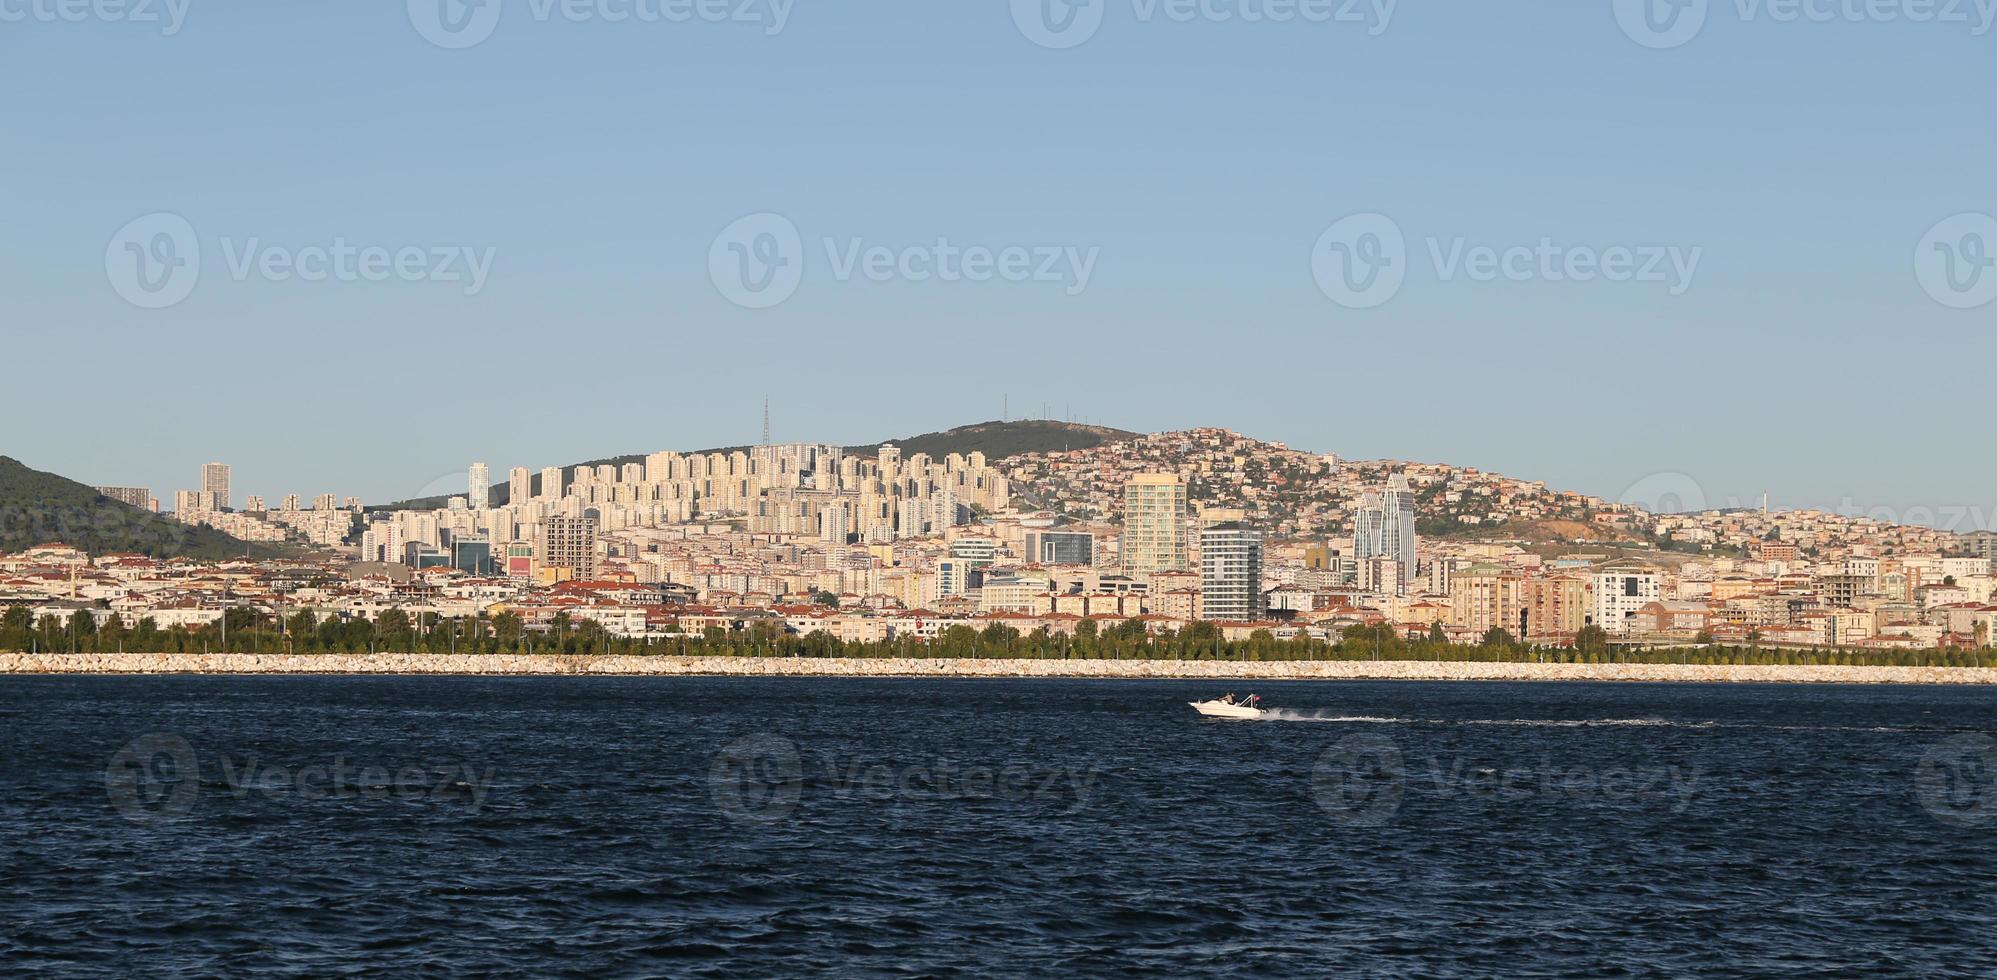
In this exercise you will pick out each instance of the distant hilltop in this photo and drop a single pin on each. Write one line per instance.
(38, 508)
(997, 440)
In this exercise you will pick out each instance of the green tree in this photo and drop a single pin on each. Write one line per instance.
(16, 626)
(111, 637)
(393, 630)
(507, 629)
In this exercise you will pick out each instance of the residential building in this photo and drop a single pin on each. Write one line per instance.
(1619, 594)
(1231, 573)
(1154, 524)
(569, 543)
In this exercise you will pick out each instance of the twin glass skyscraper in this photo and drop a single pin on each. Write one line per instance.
(1384, 526)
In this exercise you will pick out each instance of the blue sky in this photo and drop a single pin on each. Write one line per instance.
(1197, 162)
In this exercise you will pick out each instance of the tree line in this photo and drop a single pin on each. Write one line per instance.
(394, 631)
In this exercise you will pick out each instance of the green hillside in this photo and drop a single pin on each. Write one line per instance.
(39, 508)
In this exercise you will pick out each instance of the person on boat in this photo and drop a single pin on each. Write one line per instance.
(1254, 700)
(1227, 698)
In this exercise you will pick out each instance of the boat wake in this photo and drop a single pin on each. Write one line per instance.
(1325, 715)
(1292, 714)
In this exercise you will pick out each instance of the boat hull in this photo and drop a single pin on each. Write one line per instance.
(1221, 709)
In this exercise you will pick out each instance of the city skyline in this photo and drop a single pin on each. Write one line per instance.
(1659, 491)
(885, 546)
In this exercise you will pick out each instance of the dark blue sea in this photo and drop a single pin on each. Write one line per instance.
(335, 826)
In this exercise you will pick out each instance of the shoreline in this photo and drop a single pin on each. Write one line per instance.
(521, 665)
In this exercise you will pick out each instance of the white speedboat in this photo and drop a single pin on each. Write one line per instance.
(1226, 709)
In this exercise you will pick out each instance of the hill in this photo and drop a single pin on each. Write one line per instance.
(996, 440)
(39, 508)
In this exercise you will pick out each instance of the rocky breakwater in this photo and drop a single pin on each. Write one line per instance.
(542, 664)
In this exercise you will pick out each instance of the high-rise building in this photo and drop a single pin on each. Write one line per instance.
(481, 487)
(836, 522)
(570, 543)
(1384, 525)
(1154, 523)
(1231, 573)
(139, 497)
(943, 511)
(215, 485)
(326, 502)
(187, 502)
(911, 518)
(551, 482)
(519, 485)
(254, 504)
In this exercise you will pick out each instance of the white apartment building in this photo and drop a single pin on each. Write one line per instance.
(1619, 594)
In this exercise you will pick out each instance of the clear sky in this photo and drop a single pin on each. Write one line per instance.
(1193, 163)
